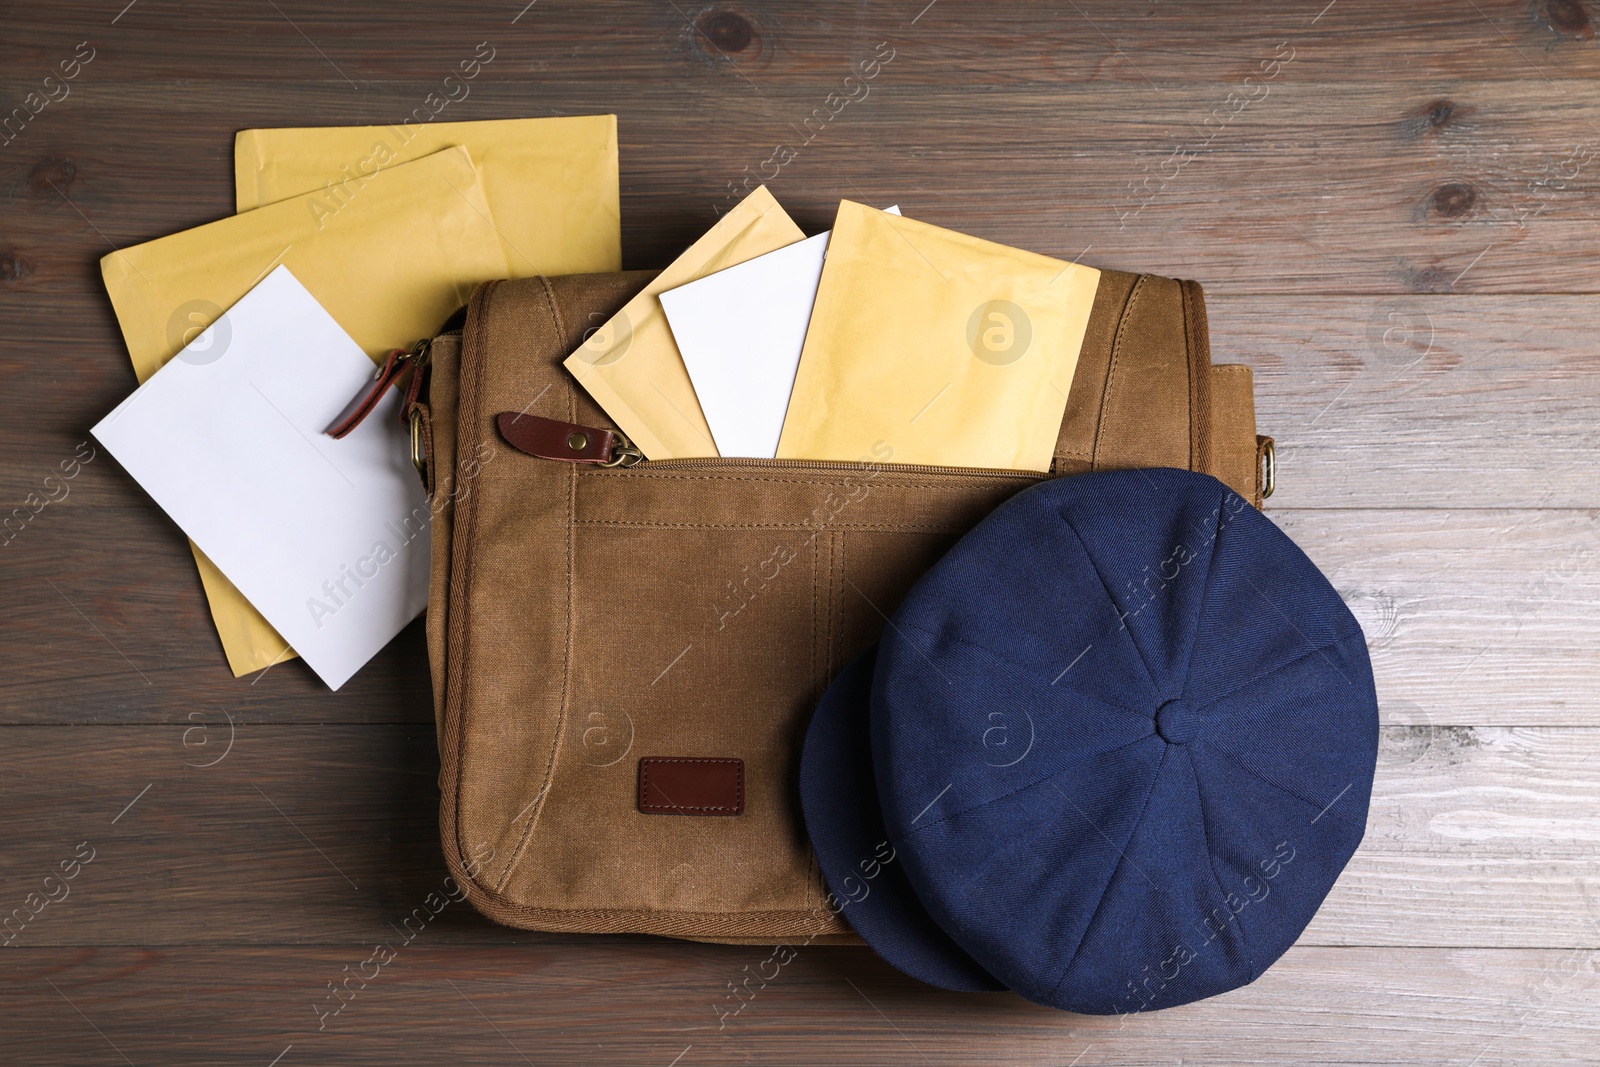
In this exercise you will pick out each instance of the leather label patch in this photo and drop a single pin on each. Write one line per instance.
(680, 785)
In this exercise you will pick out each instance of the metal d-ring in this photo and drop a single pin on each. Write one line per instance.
(1267, 465)
(417, 458)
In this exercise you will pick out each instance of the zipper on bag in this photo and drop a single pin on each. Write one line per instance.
(836, 465)
(626, 455)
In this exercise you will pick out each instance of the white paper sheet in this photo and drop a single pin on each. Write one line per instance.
(328, 539)
(740, 332)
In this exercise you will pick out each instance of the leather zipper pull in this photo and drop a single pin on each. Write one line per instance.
(388, 372)
(568, 442)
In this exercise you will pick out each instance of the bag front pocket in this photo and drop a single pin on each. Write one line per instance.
(715, 599)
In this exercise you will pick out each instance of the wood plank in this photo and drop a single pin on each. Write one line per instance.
(1093, 41)
(1375, 401)
(655, 1004)
(1422, 401)
(1485, 617)
(1400, 231)
(1481, 187)
(1471, 617)
(110, 624)
(1489, 832)
(328, 834)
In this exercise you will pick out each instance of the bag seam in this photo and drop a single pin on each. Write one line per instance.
(910, 527)
(836, 606)
(790, 913)
(537, 804)
(1111, 364)
(967, 479)
(463, 524)
(1197, 341)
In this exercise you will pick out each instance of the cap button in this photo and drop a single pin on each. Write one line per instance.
(1177, 723)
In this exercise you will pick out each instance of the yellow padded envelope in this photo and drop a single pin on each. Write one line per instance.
(631, 364)
(551, 183)
(948, 349)
(391, 265)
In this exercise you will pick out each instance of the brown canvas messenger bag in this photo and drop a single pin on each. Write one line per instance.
(626, 654)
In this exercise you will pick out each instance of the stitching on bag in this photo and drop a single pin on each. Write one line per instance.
(1197, 457)
(655, 913)
(815, 691)
(644, 786)
(466, 517)
(907, 527)
(829, 619)
(814, 618)
(425, 429)
(967, 479)
(1197, 340)
(770, 914)
(537, 804)
(836, 611)
(1111, 367)
(816, 611)
(494, 901)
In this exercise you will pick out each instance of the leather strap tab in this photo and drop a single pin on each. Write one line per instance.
(363, 403)
(550, 439)
(676, 785)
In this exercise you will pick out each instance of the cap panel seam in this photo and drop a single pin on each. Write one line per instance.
(1024, 673)
(1285, 665)
(1021, 788)
(1233, 758)
(1105, 890)
(1280, 667)
(1205, 598)
(1211, 865)
(1095, 567)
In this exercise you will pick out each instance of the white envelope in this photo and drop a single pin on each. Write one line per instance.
(328, 539)
(740, 332)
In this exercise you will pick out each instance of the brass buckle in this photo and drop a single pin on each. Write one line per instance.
(1267, 465)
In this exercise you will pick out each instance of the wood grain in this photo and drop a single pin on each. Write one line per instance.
(1396, 214)
(1136, 177)
(1473, 617)
(1423, 401)
(612, 1002)
(1029, 42)
(1399, 402)
(1477, 836)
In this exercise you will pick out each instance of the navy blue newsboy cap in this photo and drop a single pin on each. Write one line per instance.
(1112, 751)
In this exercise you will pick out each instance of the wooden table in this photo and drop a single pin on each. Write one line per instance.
(1393, 207)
